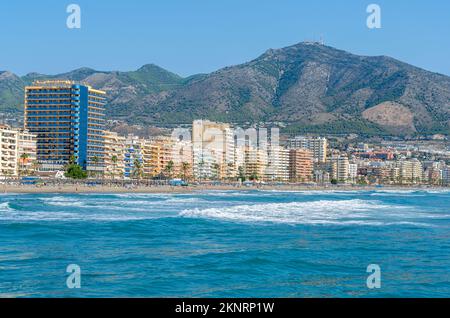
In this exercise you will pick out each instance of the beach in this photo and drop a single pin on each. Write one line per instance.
(83, 188)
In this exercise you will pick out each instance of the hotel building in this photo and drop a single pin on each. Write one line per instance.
(68, 119)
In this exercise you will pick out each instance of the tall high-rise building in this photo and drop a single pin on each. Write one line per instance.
(212, 149)
(68, 119)
(317, 145)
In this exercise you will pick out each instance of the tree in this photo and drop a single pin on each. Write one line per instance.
(114, 160)
(35, 166)
(75, 171)
(241, 174)
(23, 158)
(169, 168)
(95, 161)
(137, 169)
(254, 177)
(216, 168)
(185, 168)
(334, 181)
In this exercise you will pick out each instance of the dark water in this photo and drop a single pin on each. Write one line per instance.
(226, 244)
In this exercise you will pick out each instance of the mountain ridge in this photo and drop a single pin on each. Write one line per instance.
(310, 86)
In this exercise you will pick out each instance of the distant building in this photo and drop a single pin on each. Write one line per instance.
(277, 168)
(340, 171)
(352, 171)
(68, 119)
(317, 145)
(300, 165)
(410, 171)
(446, 176)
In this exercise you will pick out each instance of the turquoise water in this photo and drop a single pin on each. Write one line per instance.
(226, 244)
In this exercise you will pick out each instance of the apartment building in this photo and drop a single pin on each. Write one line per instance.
(114, 155)
(317, 145)
(17, 151)
(212, 149)
(300, 165)
(68, 119)
(339, 168)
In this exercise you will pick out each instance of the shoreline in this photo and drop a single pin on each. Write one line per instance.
(29, 189)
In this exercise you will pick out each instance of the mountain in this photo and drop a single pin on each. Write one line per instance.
(309, 86)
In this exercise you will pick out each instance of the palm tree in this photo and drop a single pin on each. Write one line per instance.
(23, 158)
(114, 160)
(95, 161)
(137, 169)
(169, 168)
(216, 167)
(201, 164)
(72, 160)
(35, 166)
(185, 168)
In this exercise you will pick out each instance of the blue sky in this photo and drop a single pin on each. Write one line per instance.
(197, 36)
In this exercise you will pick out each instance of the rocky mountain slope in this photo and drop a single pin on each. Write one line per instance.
(309, 86)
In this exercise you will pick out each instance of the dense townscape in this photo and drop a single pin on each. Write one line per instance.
(65, 137)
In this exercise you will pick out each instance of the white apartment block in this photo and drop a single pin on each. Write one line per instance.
(212, 150)
(17, 151)
(317, 145)
(340, 168)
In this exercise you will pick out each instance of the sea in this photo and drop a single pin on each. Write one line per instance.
(351, 244)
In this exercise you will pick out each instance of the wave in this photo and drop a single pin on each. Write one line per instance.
(344, 212)
(5, 207)
(73, 217)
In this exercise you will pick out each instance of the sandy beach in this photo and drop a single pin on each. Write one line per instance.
(81, 188)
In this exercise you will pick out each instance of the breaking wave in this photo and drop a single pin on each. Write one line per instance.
(345, 212)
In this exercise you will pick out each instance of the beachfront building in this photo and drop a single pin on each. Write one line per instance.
(277, 164)
(382, 172)
(445, 176)
(114, 155)
(339, 168)
(212, 150)
(133, 162)
(300, 165)
(157, 157)
(8, 151)
(317, 145)
(68, 119)
(410, 171)
(17, 151)
(182, 158)
(256, 163)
